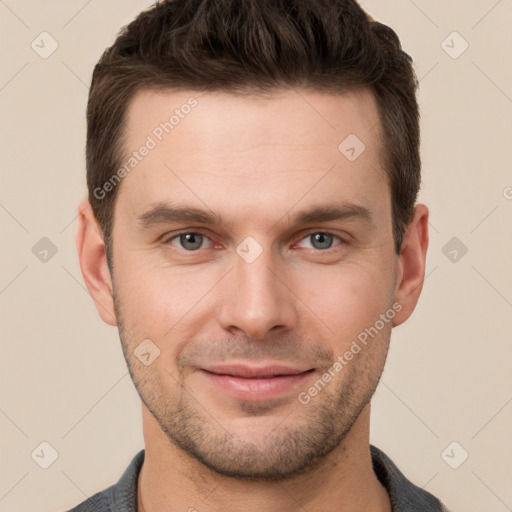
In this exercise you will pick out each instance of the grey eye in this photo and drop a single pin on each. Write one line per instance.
(322, 240)
(189, 241)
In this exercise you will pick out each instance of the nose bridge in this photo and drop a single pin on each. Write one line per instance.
(257, 300)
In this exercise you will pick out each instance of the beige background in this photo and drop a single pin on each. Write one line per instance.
(448, 378)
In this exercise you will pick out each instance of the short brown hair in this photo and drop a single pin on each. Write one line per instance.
(250, 46)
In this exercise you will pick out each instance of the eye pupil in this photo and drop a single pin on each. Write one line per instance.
(324, 239)
(190, 238)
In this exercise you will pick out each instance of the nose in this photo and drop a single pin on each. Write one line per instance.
(257, 298)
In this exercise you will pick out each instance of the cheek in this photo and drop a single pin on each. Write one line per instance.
(163, 303)
(158, 303)
(347, 298)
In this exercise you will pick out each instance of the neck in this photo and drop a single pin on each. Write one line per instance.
(171, 481)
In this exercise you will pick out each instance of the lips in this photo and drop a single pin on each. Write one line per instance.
(255, 384)
(251, 372)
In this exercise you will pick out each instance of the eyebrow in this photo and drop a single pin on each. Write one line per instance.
(163, 213)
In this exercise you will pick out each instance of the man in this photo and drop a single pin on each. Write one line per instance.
(252, 231)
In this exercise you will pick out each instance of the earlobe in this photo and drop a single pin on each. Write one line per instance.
(411, 264)
(93, 262)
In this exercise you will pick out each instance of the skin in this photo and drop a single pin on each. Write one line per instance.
(256, 161)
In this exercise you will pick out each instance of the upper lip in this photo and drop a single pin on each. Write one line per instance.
(239, 370)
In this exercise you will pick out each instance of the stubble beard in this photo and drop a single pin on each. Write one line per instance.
(296, 446)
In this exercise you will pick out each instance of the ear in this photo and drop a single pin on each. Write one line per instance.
(93, 262)
(411, 264)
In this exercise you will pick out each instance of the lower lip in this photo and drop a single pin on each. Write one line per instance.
(256, 389)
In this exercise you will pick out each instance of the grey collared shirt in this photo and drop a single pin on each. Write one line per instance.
(404, 495)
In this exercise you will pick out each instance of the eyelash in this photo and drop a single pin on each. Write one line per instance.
(199, 232)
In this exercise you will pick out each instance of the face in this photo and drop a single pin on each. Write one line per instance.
(254, 254)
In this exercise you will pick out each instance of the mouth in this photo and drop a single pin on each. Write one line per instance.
(255, 383)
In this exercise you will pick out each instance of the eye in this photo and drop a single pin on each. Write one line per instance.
(189, 241)
(321, 240)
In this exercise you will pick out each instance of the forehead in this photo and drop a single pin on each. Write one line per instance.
(281, 116)
(210, 146)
